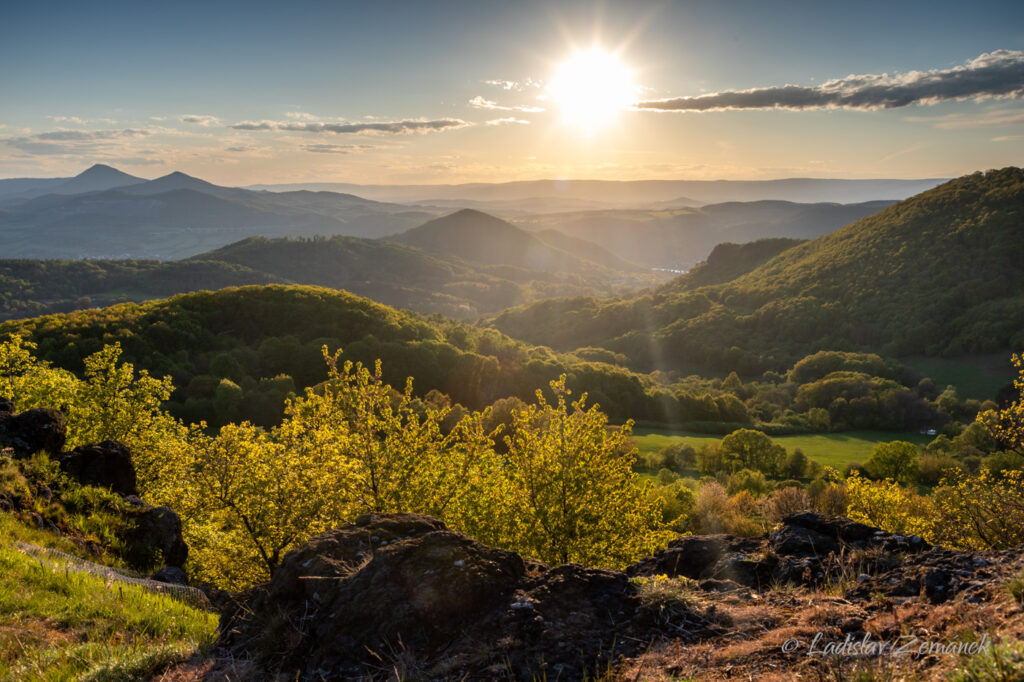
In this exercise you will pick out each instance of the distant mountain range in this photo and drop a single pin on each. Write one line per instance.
(478, 237)
(679, 238)
(632, 193)
(105, 213)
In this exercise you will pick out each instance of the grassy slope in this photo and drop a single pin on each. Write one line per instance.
(830, 449)
(57, 626)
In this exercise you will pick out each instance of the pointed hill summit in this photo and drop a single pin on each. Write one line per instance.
(97, 178)
(482, 238)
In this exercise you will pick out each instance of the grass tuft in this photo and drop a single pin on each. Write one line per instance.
(59, 625)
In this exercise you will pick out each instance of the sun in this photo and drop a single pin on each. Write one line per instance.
(590, 88)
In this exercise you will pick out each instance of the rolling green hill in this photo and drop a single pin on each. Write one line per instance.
(940, 273)
(266, 342)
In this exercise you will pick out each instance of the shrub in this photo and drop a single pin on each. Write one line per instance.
(753, 482)
(786, 501)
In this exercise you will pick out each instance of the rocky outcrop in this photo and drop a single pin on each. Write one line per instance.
(36, 430)
(153, 532)
(106, 465)
(402, 592)
(809, 548)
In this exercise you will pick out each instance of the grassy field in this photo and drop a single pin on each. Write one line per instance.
(976, 376)
(830, 449)
(75, 626)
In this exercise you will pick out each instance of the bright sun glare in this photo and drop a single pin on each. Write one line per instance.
(590, 88)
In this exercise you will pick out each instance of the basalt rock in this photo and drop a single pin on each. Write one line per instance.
(402, 595)
(37, 430)
(107, 465)
(155, 532)
(401, 591)
(808, 548)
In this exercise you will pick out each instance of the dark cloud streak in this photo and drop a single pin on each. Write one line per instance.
(367, 127)
(997, 74)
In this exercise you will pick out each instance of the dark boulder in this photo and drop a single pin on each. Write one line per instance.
(36, 430)
(808, 548)
(695, 556)
(153, 531)
(172, 575)
(107, 465)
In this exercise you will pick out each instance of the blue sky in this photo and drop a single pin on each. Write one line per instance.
(155, 87)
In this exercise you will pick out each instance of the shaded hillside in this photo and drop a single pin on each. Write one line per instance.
(391, 273)
(680, 237)
(940, 273)
(728, 261)
(482, 238)
(586, 250)
(37, 287)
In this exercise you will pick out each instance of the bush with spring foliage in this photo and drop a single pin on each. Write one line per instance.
(572, 482)
(889, 506)
(981, 511)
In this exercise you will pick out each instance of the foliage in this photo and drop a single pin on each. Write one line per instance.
(1007, 425)
(896, 460)
(981, 511)
(111, 402)
(748, 449)
(754, 482)
(572, 480)
(888, 505)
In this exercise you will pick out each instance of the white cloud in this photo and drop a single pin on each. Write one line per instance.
(63, 141)
(203, 120)
(506, 121)
(67, 119)
(481, 103)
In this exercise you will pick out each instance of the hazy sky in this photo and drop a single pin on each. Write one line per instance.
(436, 92)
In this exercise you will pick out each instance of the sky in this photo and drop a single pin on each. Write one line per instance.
(482, 91)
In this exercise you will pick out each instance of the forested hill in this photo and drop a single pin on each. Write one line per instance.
(728, 261)
(236, 353)
(482, 238)
(939, 273)
(391, 273)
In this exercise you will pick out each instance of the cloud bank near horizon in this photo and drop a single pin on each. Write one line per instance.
(998, 74)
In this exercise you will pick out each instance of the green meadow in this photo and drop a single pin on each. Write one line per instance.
(830, 449)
